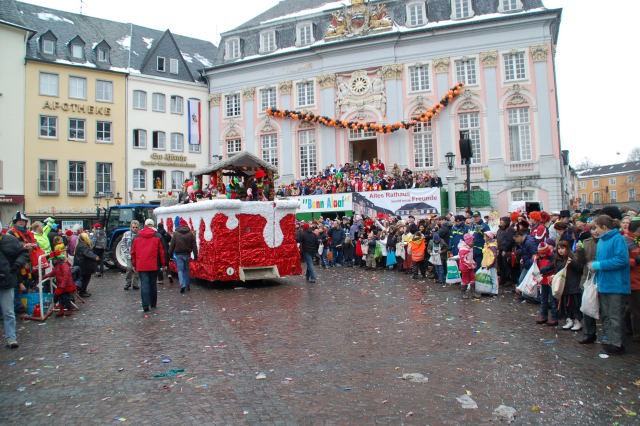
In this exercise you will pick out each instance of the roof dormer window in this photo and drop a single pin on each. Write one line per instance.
(232, 48)
(48, 43)
(510, 6)
(49, 47)
(304, 34)
(461, 9)
(102, 51)
(268, 41)
(103, 55)
(77, 52)
(161, 64)
(76, 48)
(416, 15)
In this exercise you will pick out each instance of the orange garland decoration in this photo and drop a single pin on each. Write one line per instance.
(425, 117)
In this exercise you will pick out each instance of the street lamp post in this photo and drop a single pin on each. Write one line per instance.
(466, 152)
(118, 199)
(451, 181)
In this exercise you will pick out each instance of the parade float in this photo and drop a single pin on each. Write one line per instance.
(242, 232)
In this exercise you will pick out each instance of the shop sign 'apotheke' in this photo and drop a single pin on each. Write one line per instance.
(78, 108)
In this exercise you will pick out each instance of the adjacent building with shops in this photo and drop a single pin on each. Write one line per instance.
(614, 184)
(388, 61)
(106, 112)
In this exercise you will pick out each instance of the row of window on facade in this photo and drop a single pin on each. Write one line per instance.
(77, 129)
(49, 86)
(419, 81)
(612, 182)
(158, 181)
(416, 17)
(159, 141)
(519, 133)
(77, 178)
(607, 197)
(158, 102)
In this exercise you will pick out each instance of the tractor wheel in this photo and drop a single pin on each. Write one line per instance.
(119, 259)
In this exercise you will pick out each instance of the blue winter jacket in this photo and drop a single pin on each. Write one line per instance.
(457, 232)
(612, 265)
(478, 235)
(526, 251)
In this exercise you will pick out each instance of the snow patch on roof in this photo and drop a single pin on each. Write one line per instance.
(125, 42)
(204, 61)
(45, 16)
(85, 64)
(148, 41)
(306, 12)
(187, 57)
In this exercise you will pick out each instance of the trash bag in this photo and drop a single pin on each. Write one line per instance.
(590, 304)
(453, 273)
(557, 283)
(487, 281)
(530, 285)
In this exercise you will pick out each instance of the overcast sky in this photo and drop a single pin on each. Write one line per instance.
(594, 51)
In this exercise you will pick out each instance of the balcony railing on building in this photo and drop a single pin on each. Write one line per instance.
(105, 187)
(48, 186)
(77, 188)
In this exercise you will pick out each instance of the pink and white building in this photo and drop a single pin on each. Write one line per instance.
(387, 61)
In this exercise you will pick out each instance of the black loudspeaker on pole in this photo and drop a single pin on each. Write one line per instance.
(466, 153)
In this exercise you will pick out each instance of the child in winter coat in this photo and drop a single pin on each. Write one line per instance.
(64, 282)
(348, 251)
(436, 250)
(467, 265)
(418, 247)
(545, 261)
(571, 296)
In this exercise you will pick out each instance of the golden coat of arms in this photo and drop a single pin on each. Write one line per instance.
(358, 19)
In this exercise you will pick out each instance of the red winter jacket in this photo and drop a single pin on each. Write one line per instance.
(62, 273)
(147, 251)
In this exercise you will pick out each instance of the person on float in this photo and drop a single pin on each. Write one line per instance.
(181, 248)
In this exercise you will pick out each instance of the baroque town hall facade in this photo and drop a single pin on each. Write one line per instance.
(131, 136)
(388, 61)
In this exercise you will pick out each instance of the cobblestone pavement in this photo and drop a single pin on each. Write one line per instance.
(332, 352)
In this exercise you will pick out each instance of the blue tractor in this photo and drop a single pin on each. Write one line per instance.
(117, 220)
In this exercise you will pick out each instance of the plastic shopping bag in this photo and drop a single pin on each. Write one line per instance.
(530, 285)
(391, 259)
(487, 281)
(400, 250)
(320, 249)
(453, 273)
(590, 304)
(557, 284)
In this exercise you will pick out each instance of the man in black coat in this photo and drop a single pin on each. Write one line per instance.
(13, 256)
(337, 236)
(508, 274)
(309, 244)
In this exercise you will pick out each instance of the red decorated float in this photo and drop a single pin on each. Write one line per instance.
(239, 239)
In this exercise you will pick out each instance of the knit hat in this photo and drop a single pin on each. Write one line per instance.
(97, 225)
(183, 222)
(305, 225)
(68, 233)
(436, 237)
(544, 248)
(490, 234)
